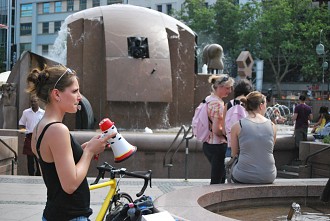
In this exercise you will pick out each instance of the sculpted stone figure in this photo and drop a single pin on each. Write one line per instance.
(212, 57)
(9, 110)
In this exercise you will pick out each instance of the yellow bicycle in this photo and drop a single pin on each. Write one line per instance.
(115, 199)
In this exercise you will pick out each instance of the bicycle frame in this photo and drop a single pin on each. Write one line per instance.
(113, 183)
(105, 205)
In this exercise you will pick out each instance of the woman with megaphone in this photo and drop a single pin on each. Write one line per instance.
(64, 163)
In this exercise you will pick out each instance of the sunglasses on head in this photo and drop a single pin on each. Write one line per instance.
(224, 79)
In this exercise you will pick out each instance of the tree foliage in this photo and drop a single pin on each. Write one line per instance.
(285, 37)
(283, 33)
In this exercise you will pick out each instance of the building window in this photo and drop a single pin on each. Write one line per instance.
(25, 47)
(96, 3)
(26, 29)
(169, 9)
(110, 2)
(159, 8)
(26, 10)
(44, 49)
(70, 6)
(206, 5)
(58, 6)
(82, 4)
(45, 27)
(57, 26)
(45, 8)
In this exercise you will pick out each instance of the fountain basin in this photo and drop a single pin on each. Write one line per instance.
(202, 203)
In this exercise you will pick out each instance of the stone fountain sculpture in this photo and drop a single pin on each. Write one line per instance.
(135, 65)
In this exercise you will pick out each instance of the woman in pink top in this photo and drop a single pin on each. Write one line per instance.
(216, 145)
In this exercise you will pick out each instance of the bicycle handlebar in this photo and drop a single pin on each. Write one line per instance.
(105, 167)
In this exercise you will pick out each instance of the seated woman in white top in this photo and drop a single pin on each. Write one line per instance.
(252, 140)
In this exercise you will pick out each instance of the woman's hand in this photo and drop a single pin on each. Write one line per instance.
(98, 143)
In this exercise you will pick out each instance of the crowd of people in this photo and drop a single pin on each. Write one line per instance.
(249, 141)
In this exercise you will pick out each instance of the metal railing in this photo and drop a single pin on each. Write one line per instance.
(14, 160)
(312, 155)
(185, 137)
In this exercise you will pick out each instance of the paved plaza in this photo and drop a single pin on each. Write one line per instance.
(24, 197)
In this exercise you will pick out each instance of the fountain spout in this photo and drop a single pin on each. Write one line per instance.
(294, 210)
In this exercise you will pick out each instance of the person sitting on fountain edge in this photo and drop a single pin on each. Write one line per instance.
(323, 119)
(252, 141)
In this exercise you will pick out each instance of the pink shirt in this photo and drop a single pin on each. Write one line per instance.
(215, 110)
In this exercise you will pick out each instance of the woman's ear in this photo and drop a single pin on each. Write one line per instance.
(55, 95)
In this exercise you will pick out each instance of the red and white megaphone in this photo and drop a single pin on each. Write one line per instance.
(120, 147)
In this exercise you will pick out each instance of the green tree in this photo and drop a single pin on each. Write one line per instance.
(227, 25)
(198, 16)
(283, 35)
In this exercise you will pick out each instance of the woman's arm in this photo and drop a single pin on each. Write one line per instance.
(275, 132)
(70, 174)
(318, 123)
(235, 130)
(223, 122)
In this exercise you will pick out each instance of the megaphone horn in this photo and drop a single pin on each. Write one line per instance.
(122, 150)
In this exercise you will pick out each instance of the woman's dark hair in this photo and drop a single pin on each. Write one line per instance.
(323, 109)
(42, 82)
(253, 100)
(326, 117)
(243, 87)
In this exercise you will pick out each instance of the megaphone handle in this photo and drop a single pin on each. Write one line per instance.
(96, 157)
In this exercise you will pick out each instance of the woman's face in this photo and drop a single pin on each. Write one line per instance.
(70, 97)
(263, 107)
(223, 91)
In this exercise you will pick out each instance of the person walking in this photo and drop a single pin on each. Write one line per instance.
(302, 116)
(63, 161)
(27, 122)
(252, 142)
(216, 145)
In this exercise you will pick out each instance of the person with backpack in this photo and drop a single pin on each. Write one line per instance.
(252, 141)
(234, 110)
(215, 145)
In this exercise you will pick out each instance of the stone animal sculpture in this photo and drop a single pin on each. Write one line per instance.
(212, 57)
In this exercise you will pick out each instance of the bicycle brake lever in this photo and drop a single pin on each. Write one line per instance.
(98, 178)
(150, 178)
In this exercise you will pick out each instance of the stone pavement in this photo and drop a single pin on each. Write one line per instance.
(24, 197)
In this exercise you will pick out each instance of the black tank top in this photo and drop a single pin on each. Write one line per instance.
(60, 205)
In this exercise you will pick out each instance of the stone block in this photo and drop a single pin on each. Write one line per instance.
(244, 63)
